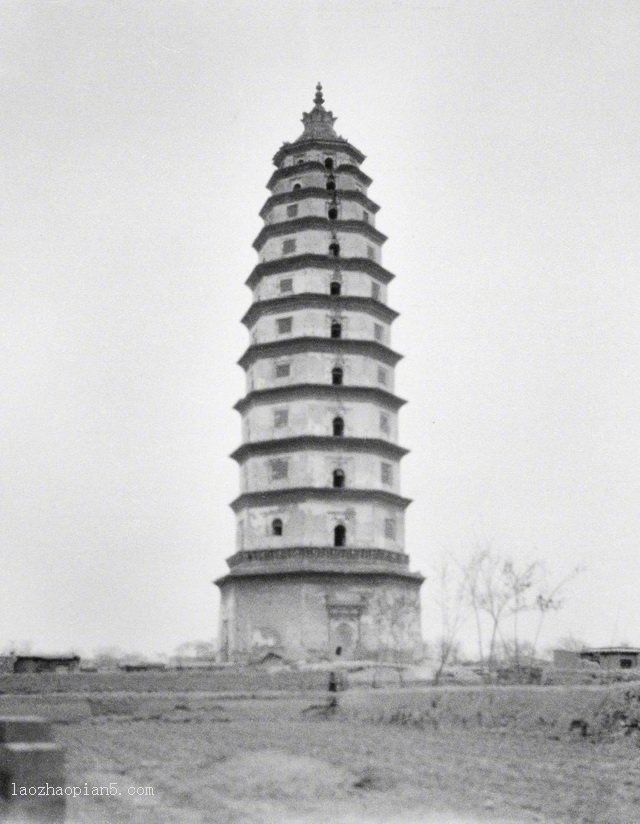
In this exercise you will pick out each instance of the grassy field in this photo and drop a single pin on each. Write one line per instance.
(433, 755)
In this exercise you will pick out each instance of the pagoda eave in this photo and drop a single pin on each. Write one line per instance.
(312, 192)
(359, 570)
(344, 443)
(309, 260)
(292, 346)
(328, 144)
(322, 391)
(316, 300)
(287, 227)
(287, 172)
(296, 494)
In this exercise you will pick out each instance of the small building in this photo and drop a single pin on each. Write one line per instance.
(612, 658)
(144, 666)
(46, 663)
(6, 663)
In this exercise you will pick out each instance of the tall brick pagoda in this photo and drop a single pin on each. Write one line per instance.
(320, 560)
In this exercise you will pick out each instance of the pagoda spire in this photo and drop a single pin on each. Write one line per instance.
(318, 123)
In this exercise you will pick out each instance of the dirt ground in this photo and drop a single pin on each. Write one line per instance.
(271, 762)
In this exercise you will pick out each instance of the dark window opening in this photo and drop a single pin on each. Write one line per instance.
(279, 469)
(297, 186)
(333, 212)
(626, 663)
(336, 376)
(336, 329)
(335, 288)
(338, 427)
(338, 479)
(331, 184)
(334, 249)
(328, 163)
(292, 211)
(276, 527)
(340, 537)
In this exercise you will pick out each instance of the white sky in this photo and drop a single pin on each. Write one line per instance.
(504, 144)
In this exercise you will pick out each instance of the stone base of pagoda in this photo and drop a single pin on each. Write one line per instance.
(306, 615)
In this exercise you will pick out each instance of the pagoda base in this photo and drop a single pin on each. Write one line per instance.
(307, 616)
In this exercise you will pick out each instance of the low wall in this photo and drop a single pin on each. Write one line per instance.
(553, 710)
(240, 679)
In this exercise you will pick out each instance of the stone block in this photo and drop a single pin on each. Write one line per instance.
(24, 728)
(37, 767)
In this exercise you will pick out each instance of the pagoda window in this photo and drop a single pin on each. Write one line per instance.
(365, 216)
(331, 184)
(386, 473)
(288, 246)
(338, 427)
(286, 285)
(384, 423)
(340, 535)
(280, 418)
(283, 370)
(334, 249)
(336, 329)
(292, 211)
(333, 212)
(382, 376)
(389, 528)
(371, 253)
(375, 290)
(338, 479)
(279, 469)
(328, 164)
(297, 185)
(337, 375)
(335, 288)
(276, 526)
(378, 332)
(285, 325)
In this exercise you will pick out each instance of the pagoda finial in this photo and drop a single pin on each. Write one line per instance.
(318, 123)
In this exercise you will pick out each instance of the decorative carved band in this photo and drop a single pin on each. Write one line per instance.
(347, 554)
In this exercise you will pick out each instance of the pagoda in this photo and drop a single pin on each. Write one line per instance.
(319, 565)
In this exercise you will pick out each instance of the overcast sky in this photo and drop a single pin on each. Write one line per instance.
(504, 144)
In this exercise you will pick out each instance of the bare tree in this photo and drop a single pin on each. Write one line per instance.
(472, 577)
(450, 599)
(494, 594)
(518, 583)
(549, 599)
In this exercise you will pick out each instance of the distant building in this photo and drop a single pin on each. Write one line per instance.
(46, 663)
(6, 663)
(192, 662)
(612, 657)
